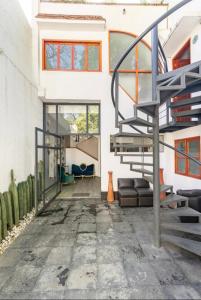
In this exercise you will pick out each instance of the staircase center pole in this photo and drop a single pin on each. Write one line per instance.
(156, 149)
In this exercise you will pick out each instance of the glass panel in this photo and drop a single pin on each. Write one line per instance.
(144, 57)
(194, 148)
(128, 83)
(93, 119)
(145, 88)
(66, 57)
(72, 119)
(51, 56)
(180, 146)
(51, 125)
(79, 57)
(93, 58)
(119, 43)
(194, 169)
(181, 163)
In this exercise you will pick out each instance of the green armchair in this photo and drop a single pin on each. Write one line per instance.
(64, 177)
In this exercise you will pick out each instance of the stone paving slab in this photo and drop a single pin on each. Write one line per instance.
(97, 252)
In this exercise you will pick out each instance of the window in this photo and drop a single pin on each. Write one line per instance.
(67, 119)
(183, 165)
(135, 72)
(72, 56)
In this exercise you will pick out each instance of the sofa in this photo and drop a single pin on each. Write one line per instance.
(83, 170)
(134, 192)
(194, 197)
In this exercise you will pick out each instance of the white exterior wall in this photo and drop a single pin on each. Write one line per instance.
(21, 110)
(81, 86)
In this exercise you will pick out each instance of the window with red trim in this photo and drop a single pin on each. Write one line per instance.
(72, 56)
(135, 72)
(183, 165)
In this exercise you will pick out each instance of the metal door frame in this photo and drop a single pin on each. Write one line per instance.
(43, 146)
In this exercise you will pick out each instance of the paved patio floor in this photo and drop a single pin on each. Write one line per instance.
(92, 251)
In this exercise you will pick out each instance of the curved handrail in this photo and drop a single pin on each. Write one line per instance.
(137, 40)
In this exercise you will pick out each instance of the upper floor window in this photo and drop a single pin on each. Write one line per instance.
(72, 56)
(135, 72)
(183, 165)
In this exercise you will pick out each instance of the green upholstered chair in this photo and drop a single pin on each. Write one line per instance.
(66, 178)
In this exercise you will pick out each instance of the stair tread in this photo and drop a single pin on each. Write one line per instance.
(177, 126)
(136, 121)
(165, 187)
(186, 113)
(129, 134)
(149, 178)
(133, 154)
(181, 212)
(185, 102)
(173, 198)
(182, 70)
(142, 170)
(184, 243)
(193, 228)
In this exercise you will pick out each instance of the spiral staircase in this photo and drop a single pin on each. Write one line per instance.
(165, 86)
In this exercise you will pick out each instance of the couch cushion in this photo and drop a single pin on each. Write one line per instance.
(127, 193)
(142, 192)
(189, 193)
(125, 183)
(141, 183)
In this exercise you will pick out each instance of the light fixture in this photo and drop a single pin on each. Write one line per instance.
(124, 11)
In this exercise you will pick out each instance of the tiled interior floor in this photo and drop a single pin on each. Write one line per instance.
(97, 252)
(85, 185)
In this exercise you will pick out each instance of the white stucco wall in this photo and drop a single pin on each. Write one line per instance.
(82, 86)
(21, 110)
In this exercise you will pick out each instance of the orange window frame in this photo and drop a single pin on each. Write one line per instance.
(86, 44)
(136, 71)
(178, 156)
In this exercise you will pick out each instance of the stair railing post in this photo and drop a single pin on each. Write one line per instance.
(117, 100)
(156, 149)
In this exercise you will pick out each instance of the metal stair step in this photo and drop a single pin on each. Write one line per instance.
(177, 126)
(133, 154)
(173, 198)
(184, 227)
(147, 107)
(137, 135)
(188, 113)
(142, 170)
(180, 212)
(193, 68)
(136, 121)
(129, 145)
(148, 178)
(186, 102)
(184, 243)
(165, 188)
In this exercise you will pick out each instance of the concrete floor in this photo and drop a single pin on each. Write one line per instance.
(92, 186)
(96, 252)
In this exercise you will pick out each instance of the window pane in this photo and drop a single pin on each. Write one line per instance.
(51, 56)
(51, 118)
(119, 43)
(93, 58)
(194, 148)
(194, 169)
(65, 57)
(180, 145)
(79, 57)
(93, 119)
(128, 82)
(72, 119)
(144, 57)
(145, 88)
(181, 164)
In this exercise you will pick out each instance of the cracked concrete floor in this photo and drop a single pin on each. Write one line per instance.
(96, 252)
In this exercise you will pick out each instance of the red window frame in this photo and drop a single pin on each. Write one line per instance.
(135, 71)
(86, 44)
(178, 156)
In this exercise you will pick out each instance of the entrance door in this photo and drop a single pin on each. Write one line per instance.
(182, 59)
(47, 168)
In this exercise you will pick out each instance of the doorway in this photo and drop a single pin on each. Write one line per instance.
(181, 59)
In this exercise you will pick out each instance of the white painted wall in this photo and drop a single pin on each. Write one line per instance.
(21, 110)
(81, 86)
(77, 157)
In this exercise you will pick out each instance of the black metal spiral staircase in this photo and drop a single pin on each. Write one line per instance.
(165, 86)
